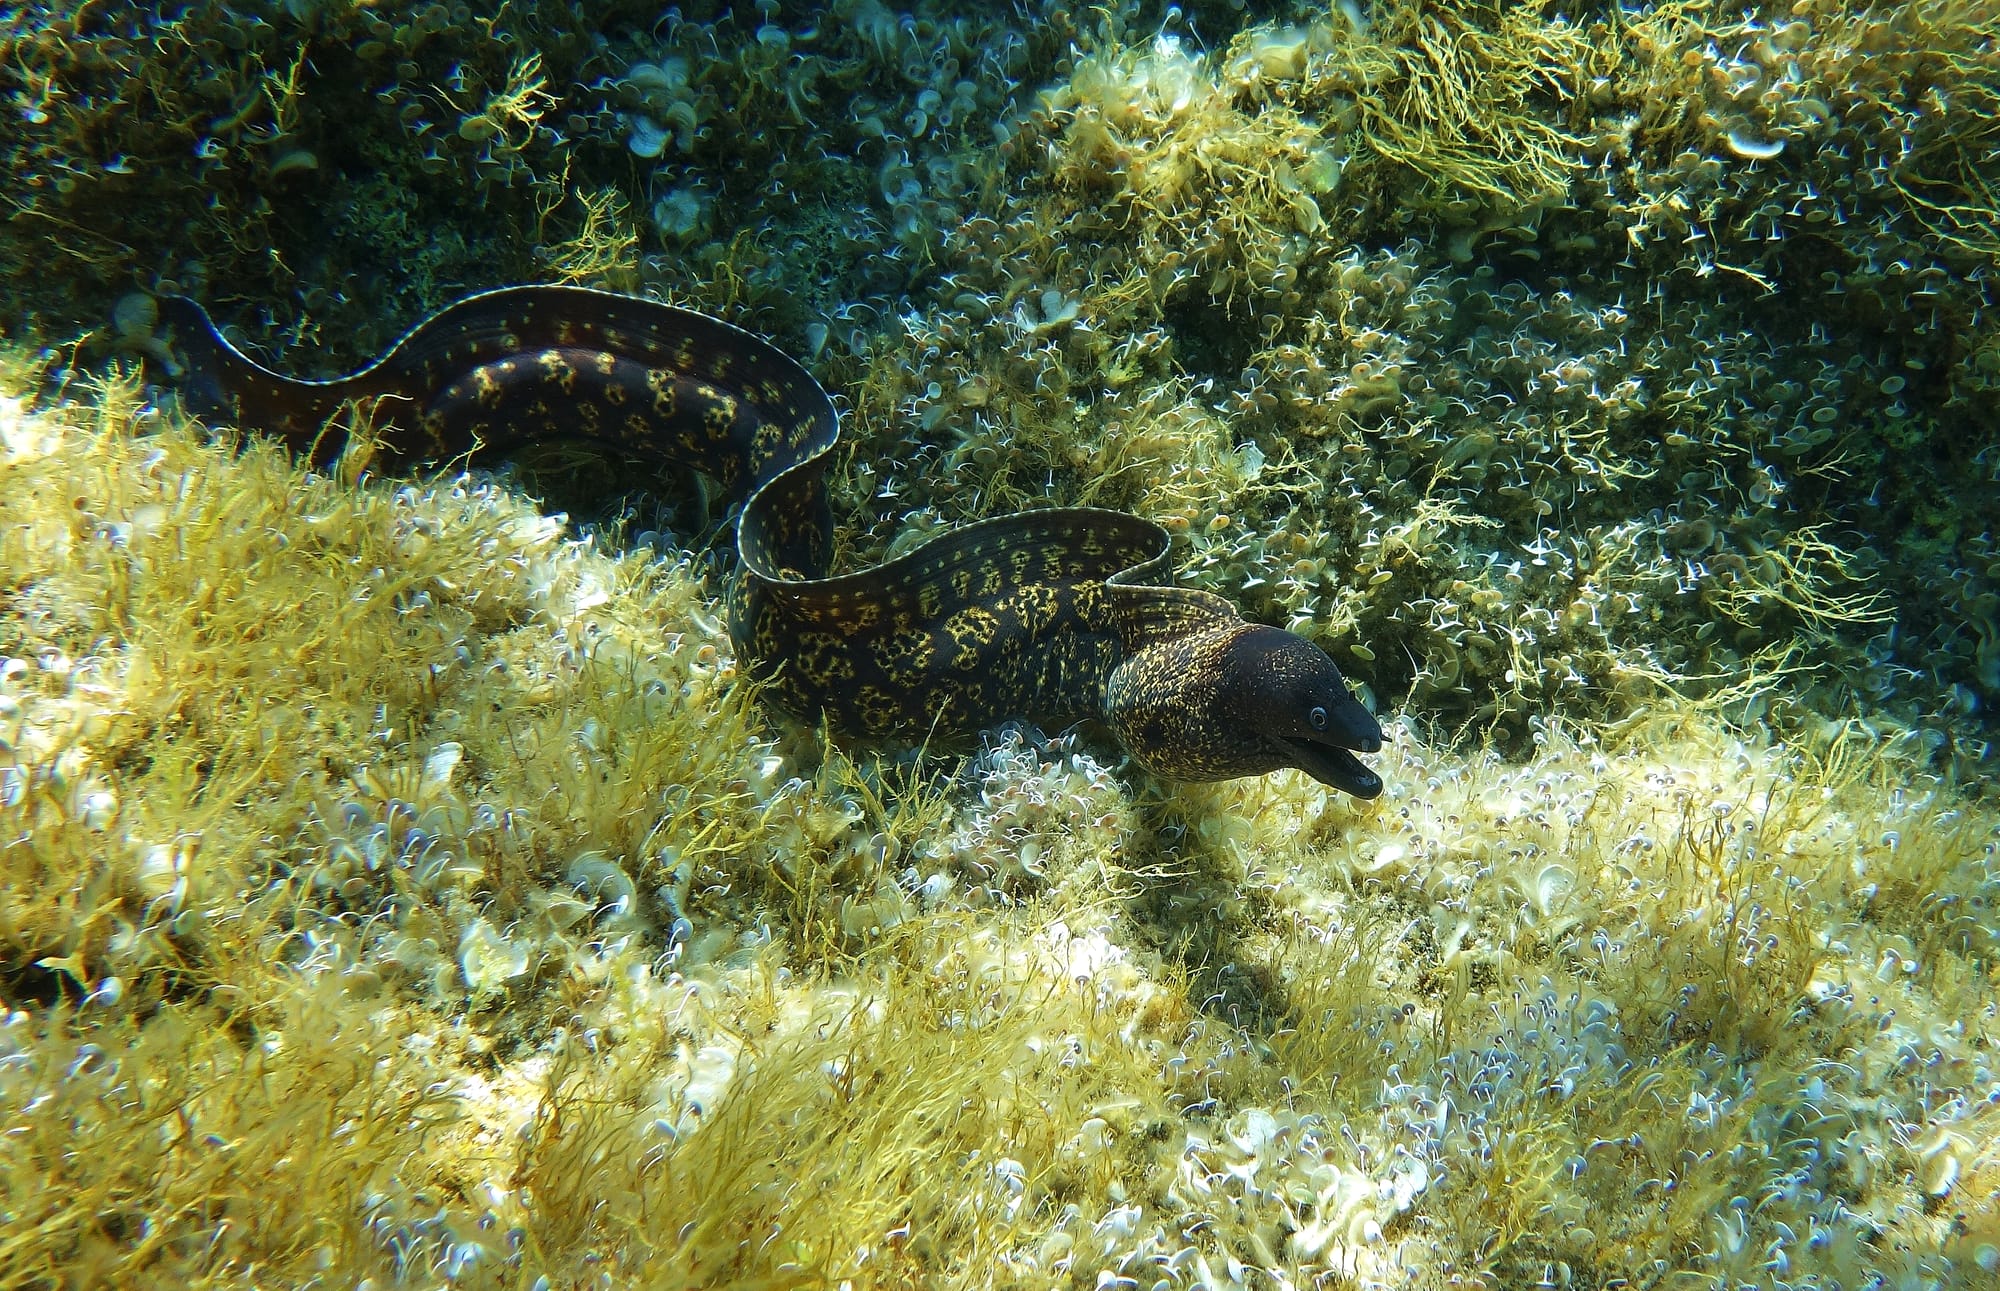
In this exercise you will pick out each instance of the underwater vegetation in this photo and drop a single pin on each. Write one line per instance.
(400, 885)
(1679, 312)
(396, 888)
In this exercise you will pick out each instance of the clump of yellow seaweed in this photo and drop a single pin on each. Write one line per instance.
(397, 888)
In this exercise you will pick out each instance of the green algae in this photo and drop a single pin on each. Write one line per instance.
(399, 886)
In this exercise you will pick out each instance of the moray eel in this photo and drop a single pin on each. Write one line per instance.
(1052, 615)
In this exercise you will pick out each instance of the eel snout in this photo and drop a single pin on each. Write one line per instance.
(1328, 756)
(1295, 697)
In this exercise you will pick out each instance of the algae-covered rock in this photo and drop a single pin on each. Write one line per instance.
(399, 884)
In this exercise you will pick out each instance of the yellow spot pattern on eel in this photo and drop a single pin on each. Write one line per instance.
(1048, 614)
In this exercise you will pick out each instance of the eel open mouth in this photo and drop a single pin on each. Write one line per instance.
(1330, 764)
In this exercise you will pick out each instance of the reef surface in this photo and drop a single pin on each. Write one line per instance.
(399, 885)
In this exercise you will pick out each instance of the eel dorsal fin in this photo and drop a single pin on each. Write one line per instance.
(1147, 615)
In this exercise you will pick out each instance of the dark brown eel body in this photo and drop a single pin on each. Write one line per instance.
(1048, 615)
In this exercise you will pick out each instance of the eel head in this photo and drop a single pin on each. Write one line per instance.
(1242, 699)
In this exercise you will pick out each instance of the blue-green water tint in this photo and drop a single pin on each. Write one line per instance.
(1568, 374)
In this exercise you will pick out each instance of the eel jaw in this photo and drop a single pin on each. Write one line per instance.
(1331, 764)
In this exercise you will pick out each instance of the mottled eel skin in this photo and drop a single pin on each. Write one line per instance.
(1045, 614)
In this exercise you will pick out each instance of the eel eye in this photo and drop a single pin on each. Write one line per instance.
(1317, 717)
